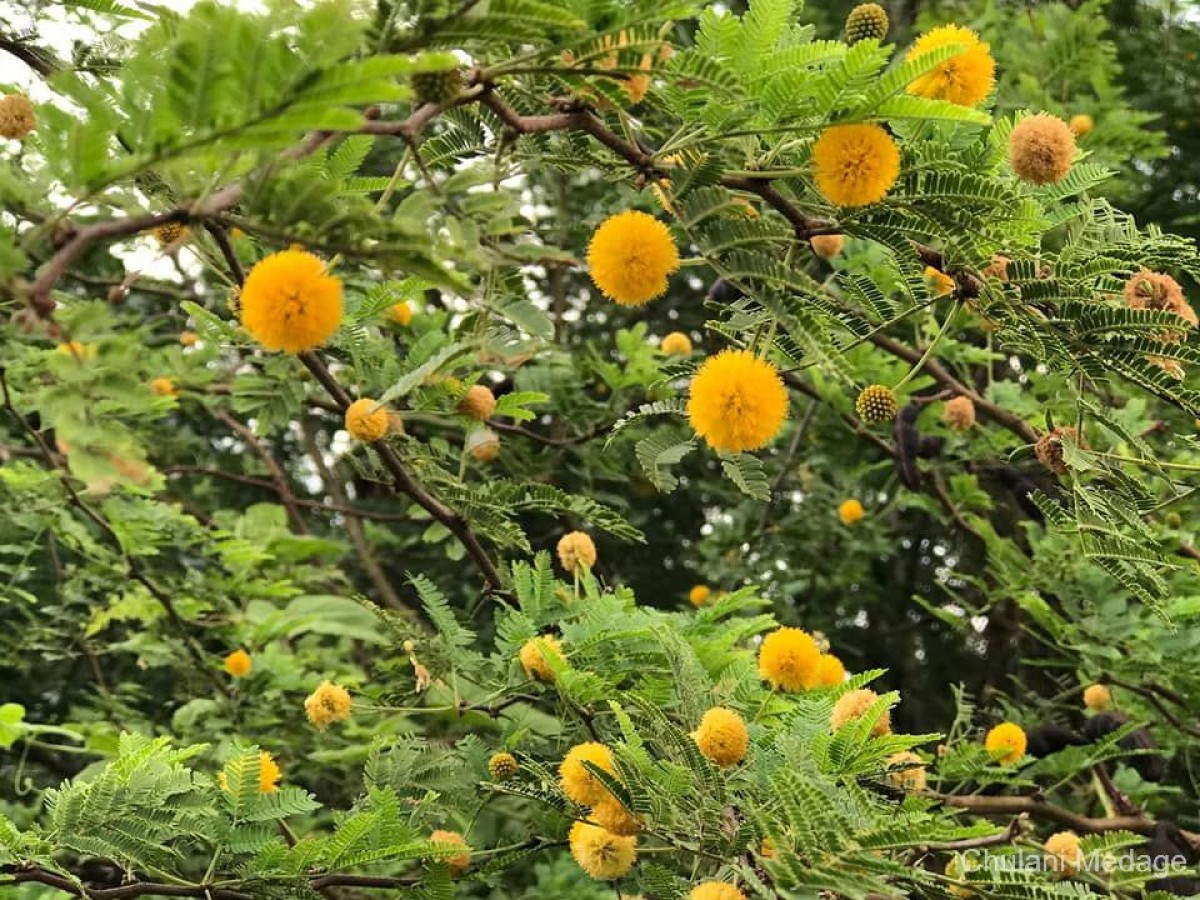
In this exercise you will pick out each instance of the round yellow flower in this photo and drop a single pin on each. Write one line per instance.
(737, 401)
(329, 703)
(164, 387)
(965, 78)
(268, 775)
(853, 706)
(401, 313)
(238, 663)
(289, 302)
(17, 118)
(699, 594)
(188, 338)
(478, 403)
(716, 890)
(851, 511)
(630, 256)
(855, 165)
(722, 737)
(580, 784)
(676, 344)
(1081, 125)
(533, 656)
(1041, 149)
(575, 549)
(1097, 697)
(452, 840)
(789, 659)
(830, 671)
(502, 766)
(610, 815)
(909, 778)
(603, 855)
(1006, 743)
(365, 422)
(1063, 853)
(77, 349)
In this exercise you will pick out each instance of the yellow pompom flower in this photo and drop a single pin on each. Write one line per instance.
(853, 706)
(365, 422)
(478, 403)
(164, 387)
(575, 549)
(1063, 853)
(716, 890)
(676, 344)
(789, 659)
(909, 778)
(329, 703)
(939, 283)
(268, 775)
(699, 594)
(1097, 697)
(830, 671)
(580, 784)
(533, 656)
(630, 256)
(1081, 125)
(502, 766)
(290, 302)
(452, 840)
(401, 313)
(603, 855)
(737, 401)
(1006, 743)
(722, 737)
(238, 663)
(855, 165)
(612, 816)
(851, 511)
(77, 349)
(965, 78)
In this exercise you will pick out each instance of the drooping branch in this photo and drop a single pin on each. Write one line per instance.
(985, 805)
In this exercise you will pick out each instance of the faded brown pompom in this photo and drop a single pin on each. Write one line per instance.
(876, 404)
(1049, 448)
(827, 246)
(998, 268)
(1041, 149)
(867, 20)
(479, 402)
(959, 413)
(17, 118)
(1154, 290)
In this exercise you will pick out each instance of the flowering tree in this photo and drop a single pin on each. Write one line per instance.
(555, 447)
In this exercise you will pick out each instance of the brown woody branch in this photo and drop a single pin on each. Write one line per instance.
(1039, 809)
(407, 485)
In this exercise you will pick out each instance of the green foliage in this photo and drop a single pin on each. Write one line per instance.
(171, 493)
